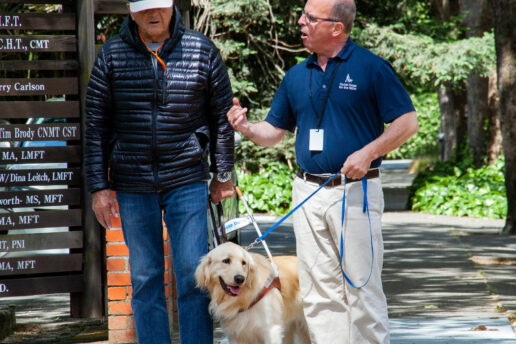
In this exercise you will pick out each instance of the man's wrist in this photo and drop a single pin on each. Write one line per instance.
(223, 176)
(247, 132)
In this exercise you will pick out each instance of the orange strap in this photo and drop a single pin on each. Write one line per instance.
(154, 53)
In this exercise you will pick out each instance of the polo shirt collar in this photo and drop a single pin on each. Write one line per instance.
(343, 55)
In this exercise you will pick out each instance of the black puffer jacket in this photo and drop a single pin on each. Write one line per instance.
(154, 128)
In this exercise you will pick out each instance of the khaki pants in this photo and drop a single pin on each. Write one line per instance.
(335, 311)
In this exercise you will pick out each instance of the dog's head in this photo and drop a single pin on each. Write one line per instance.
(225, 270)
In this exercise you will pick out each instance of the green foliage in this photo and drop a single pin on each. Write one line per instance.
(413, 16)
(253, 158)
(108, 26)
(456, 188)
(424, 143)
(423, 62)
(258, 40)
(269, 191)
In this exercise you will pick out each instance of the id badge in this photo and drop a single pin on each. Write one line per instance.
(316, 140)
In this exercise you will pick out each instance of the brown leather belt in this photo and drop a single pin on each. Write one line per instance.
(372, 173)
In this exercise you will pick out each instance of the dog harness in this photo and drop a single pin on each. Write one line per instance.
(273, 282)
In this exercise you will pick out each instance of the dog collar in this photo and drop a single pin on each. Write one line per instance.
(273, 282)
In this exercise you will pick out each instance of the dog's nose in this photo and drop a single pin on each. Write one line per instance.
(239, 279)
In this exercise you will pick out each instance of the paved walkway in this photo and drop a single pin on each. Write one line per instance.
(448, 280)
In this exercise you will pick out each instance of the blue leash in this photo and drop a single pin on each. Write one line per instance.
(296, 208)
(365, 209)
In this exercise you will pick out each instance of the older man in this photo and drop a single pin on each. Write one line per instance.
(339, 99)
(156, 110)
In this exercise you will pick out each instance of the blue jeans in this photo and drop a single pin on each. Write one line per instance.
(184, 212)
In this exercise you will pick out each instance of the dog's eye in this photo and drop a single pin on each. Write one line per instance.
(244, 262)
(226, 261)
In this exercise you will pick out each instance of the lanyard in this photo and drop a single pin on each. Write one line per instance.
(156, 52)
(321, 113)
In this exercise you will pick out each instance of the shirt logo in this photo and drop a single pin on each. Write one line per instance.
(348, 84)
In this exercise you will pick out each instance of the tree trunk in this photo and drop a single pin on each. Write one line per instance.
(447, 96)
(504, 12)
(477, 20)
(460, 101)
(494, 139)
(452, 105)
(477, 111)
(447, 8)
(448, 135)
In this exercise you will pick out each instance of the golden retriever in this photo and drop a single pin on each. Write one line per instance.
(234, 278)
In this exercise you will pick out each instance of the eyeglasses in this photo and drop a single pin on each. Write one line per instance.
(312, 20)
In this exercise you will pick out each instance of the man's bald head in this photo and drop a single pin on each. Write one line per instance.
(344, 11)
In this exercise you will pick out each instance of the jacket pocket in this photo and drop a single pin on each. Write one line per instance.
(114, 150)
(202, 142)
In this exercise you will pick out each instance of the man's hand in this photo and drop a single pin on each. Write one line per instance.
(103, 205)
(220, 191)
(357, 164)
(237, 117)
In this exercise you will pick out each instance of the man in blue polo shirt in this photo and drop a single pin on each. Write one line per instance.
(339, 99)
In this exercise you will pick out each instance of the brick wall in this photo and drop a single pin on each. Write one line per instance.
(120, 315)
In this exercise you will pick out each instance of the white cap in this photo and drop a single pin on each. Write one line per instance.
(142, 5)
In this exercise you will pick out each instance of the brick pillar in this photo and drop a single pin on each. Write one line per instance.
(120, 314)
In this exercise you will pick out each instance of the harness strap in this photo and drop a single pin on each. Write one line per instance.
(273, 282)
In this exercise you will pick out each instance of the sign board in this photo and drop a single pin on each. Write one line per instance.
(38, 87)
(32, 242)
(40, 219)
(40, 264)
(39, 198)
(31, 109)
(41, 285)
(38, 1)
(60, 176)
(39, 65)
(37, 21)
(39, 155)
(40, 132)
(40, 151)
(30, 44)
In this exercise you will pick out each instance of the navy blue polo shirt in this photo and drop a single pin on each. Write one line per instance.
(364, 95)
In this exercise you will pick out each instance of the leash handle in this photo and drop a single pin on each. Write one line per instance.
(220, 213)
(216, 237)
(365, 209)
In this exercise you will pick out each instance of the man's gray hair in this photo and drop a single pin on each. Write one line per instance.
(344, 11)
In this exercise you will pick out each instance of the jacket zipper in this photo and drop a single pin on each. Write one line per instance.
(155, 163)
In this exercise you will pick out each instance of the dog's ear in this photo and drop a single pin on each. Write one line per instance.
(202, 273)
